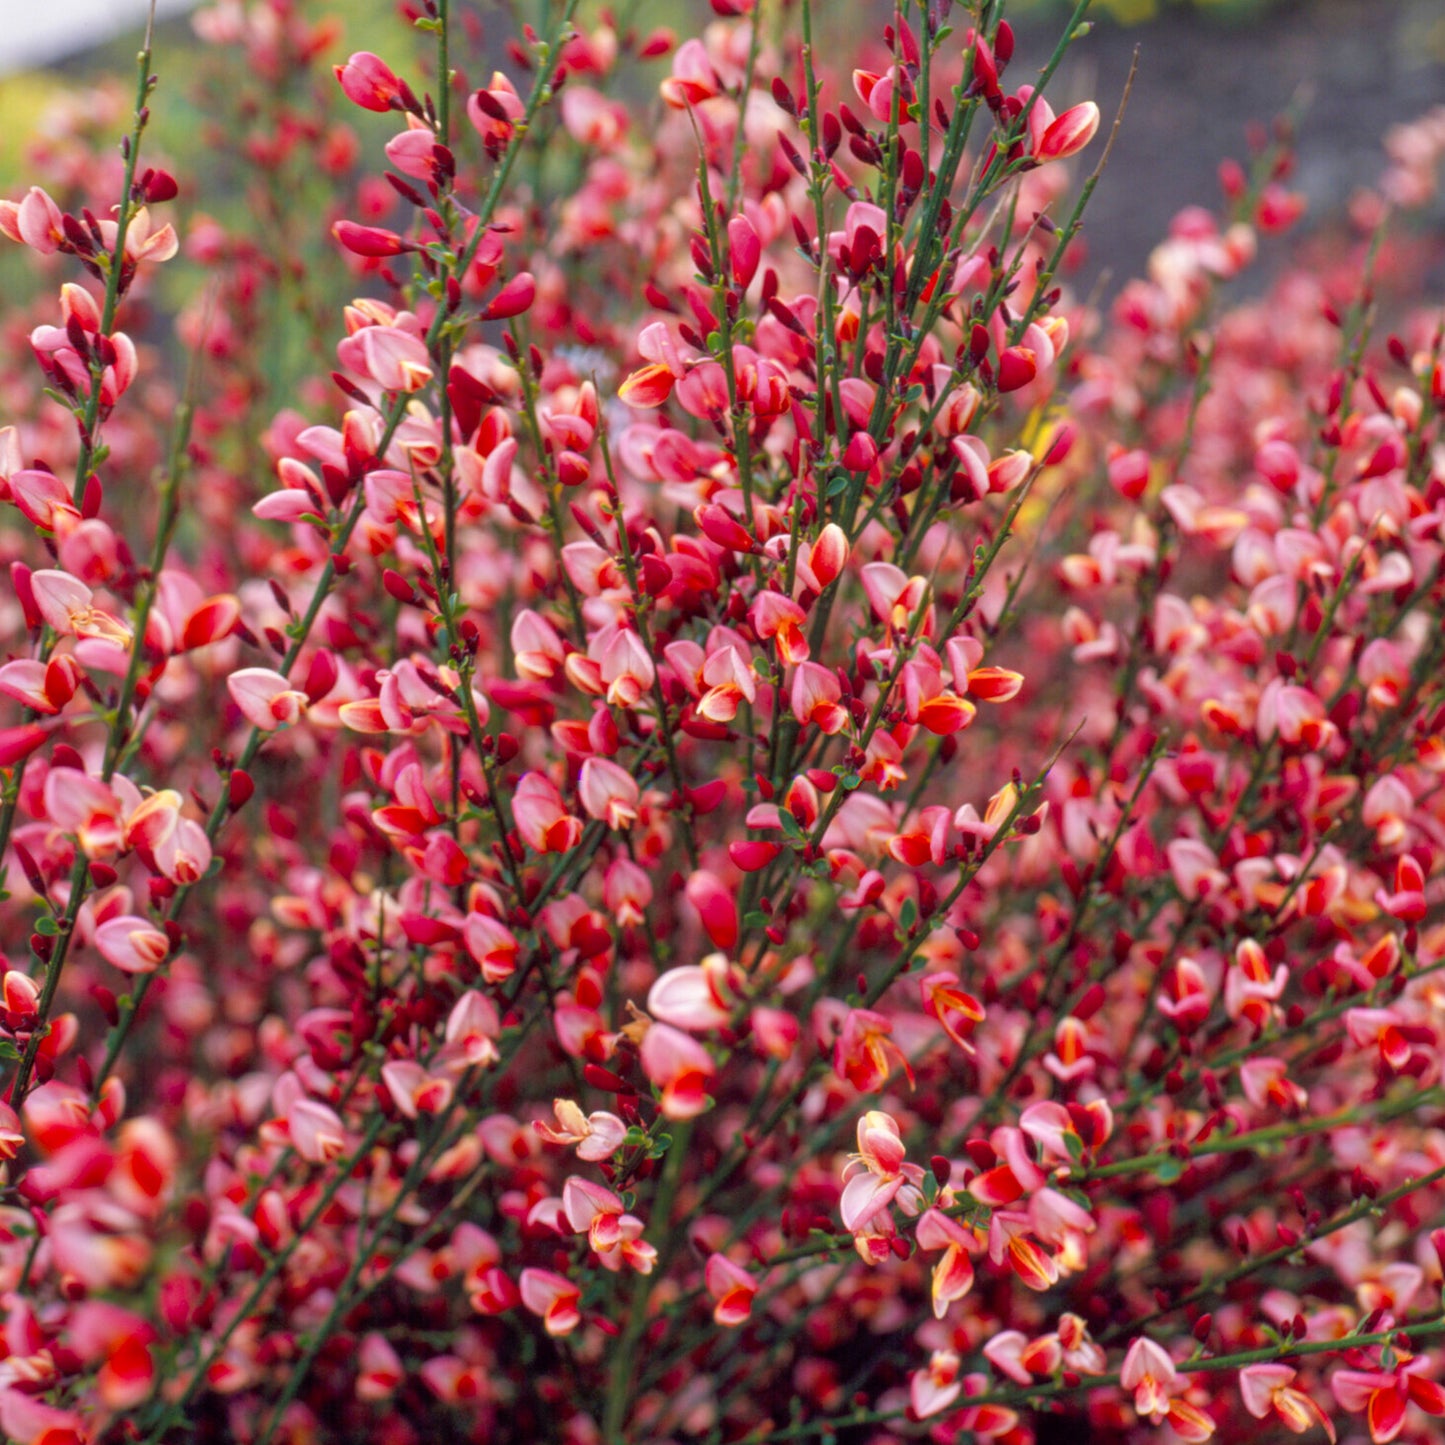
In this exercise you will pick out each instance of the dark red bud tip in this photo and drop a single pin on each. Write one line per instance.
(601, 1078)
(1202, 1326)
(92, 498)
(241, 790)
(397, 586)
(105, 1000)
(159, 186)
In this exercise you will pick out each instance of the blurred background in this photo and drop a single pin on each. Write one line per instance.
(1348, 70)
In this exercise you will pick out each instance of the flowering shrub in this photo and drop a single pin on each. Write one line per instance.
(752, 824)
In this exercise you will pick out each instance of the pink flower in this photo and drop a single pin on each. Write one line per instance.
(680, 1067)
(35, 221)
(28, 1421)
(1150, 1374)
(733, 1289)
(700, 996)
(68, 606)
(945, 1000)
(883, 1173)
(1068, 134)
(864, 1054)
(413, 1090)
(1384, 1396)
(265, 698)
(693, 78)
(370, 82)
(953, 1274)
(933, 1390)
(392, 357)
(316, 1131)
(132, 944)
(542, 819)
(380, 1372)
(608, 793)
(552, 1297)
(815, 698)
(597, 1135)
(491, 945)
(1266, 1389)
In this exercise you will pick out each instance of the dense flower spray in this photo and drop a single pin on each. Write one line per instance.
(666, 795)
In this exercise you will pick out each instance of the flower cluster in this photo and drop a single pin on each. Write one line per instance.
(712, 654)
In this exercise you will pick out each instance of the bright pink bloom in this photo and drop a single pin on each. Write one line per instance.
(597, 1135)
(608, 793)
(933, 1390)
(132, 944)
(883, 1173)
(816, 699)
(1069, 134)
(700, 996)
(369, 82)
(1384, 1396)
(1266, 1389)
(693, 78)
(680, 1067)
(491, 945)
(1150, 1374)
(380, 1372)
(35, 221)
(68, 606)
(733, 1289)
(864, 1054)
(316, 1131)
(552, 1297)
(265, 698)
(953, 1274)
(542, 819)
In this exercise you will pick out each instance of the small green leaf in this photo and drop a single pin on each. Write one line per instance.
(908, 914)
(851, 782)
(1168, 1170)
(47, 927)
